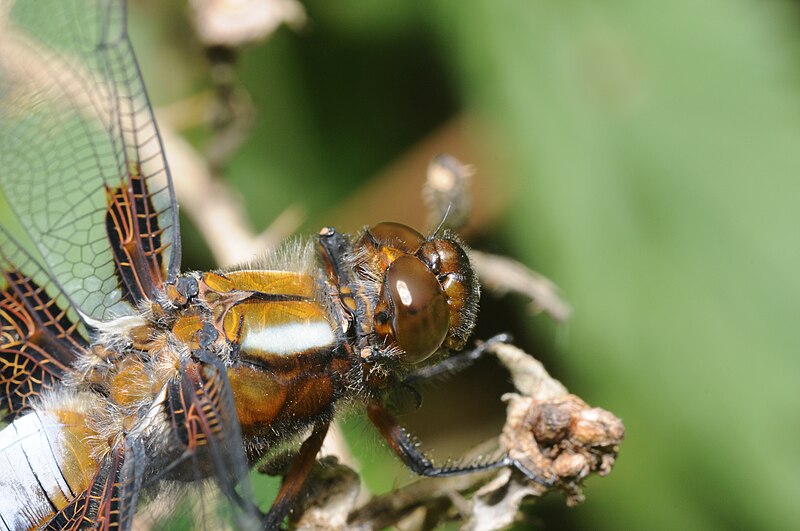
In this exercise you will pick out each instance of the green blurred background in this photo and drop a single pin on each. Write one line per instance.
(642, 155)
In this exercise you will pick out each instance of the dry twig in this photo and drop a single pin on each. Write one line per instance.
(501, 275)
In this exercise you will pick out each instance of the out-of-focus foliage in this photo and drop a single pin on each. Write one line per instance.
(652, 151)
(658, 149)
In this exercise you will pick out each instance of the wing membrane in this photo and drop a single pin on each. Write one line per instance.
(203, 416)
(39, 337)
(82, 161)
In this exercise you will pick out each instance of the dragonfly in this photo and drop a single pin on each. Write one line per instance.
(119, 373)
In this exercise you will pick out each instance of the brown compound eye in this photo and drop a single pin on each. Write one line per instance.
(397, 235)
(415, 307)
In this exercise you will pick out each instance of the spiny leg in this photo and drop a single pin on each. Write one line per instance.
(407, 449)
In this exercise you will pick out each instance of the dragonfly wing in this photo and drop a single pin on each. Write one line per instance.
(40, 336)
(202, 413)
(82, 161)
(111, 499)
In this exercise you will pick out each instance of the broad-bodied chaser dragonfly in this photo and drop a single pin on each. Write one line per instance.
(119, 372)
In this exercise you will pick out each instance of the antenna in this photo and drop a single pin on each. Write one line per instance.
(444, 218)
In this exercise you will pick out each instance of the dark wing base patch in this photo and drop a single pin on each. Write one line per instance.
(38, 340)
(135, 238)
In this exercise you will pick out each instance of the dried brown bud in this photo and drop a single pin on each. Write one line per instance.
(563, 439)
(568, 465)
(549, 423)
(597, 427)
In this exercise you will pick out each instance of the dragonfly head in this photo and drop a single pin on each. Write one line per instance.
(428, 291)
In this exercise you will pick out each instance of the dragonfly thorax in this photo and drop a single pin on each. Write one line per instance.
(294, 343)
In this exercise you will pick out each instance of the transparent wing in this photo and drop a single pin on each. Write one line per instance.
(81, 161)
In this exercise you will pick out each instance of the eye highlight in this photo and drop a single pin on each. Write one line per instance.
(404, 293)
(420, 316)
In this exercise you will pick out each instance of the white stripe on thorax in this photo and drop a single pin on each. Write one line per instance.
(289, 338)
(27, 460)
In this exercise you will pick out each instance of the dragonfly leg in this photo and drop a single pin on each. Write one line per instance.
(293, 482)
(407, 449)
(456, 362)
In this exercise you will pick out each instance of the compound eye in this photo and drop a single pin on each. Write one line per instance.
(397, 235)
(420, 317)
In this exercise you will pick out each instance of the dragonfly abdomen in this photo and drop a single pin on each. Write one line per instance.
(45, 462)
